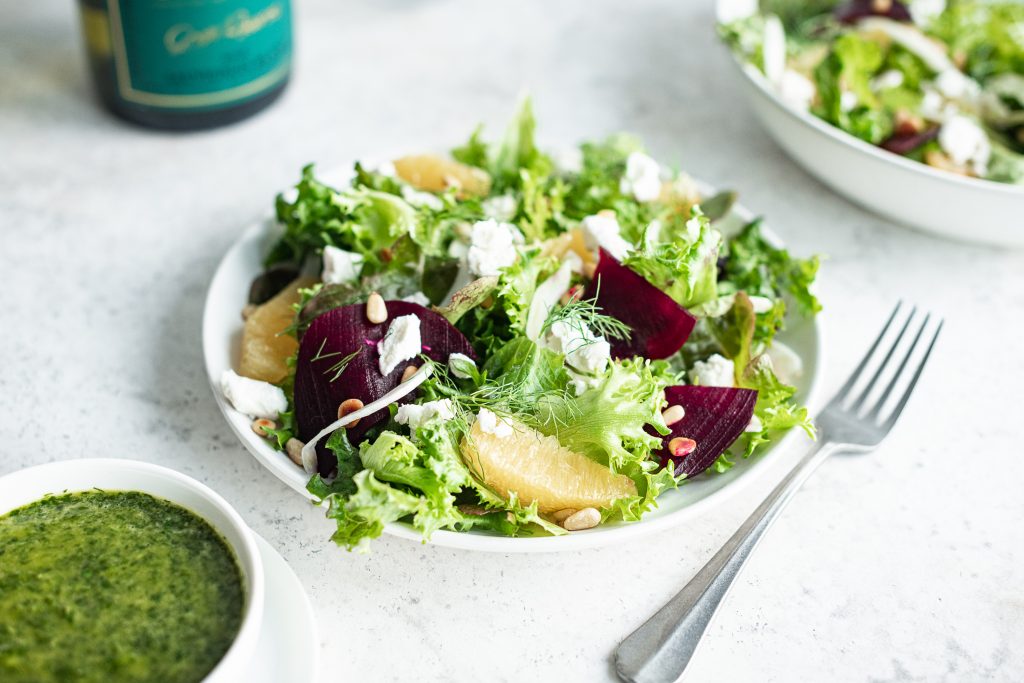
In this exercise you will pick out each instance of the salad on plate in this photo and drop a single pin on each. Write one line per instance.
(515, 343)
(940, 83)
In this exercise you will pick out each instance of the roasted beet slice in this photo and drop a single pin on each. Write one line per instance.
(715, 417)
(659, 326)
(905, 143)
(322, 383)
(855, 10)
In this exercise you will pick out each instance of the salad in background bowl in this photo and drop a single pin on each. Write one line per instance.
(503, 347)
(915, 110)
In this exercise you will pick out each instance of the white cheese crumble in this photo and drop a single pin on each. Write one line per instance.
(796, 90)
(887, 80)
(384, 168)
(603, 230)
(923, 11)
(754, 425)
(500, 208)
(848, 101)
(400, 343)
(421, 199)
(583, 350)
(955, 85)
(419, 415)
(253, 397)
(728, 12)
(965, 142)
(785, 362)
(716, 371)
(458, 363)
(492, 247)
(417, 298)
(761, 304)
(581, 383)
(642, 178)
(773, 49)
(492, 424)
(340, 265)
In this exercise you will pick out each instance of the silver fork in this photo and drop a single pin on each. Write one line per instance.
(660, 650)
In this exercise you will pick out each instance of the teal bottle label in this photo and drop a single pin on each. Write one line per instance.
(199, 54)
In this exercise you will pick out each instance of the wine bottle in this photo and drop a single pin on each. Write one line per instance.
(187, 64)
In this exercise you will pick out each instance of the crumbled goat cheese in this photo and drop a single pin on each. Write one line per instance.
(796, 90)
(761, 304)
(500, 208)
(965, 142)
(754, 425)
(253, 397)
(419, 415)
(418, 198)
(729, 12)
(642, 178)
(603, 230)
(893, 78)
(492, 424)
(848, 101)
(400, 343)
(457, 361)
(923, 11)
(417, 298)
(340, 265)
(583, 350)
(785, 363)
(384, 168)
(492, 247)
(716, 371)
(955, 85)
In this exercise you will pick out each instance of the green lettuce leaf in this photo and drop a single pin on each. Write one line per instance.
(683, 262)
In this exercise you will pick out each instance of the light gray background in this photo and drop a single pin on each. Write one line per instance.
(906, 565)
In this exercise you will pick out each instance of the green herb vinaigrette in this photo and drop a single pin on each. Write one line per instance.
(114, 585)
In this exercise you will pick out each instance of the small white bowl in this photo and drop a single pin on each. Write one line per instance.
(29, 485)
(906, 191)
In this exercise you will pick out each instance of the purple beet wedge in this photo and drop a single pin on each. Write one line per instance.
(321, 385)
(715, 417)
(855, 10)
(658, 325)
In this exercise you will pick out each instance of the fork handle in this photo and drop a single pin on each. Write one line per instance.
(660, 650)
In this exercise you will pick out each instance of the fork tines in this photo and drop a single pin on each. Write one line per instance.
(893, 368)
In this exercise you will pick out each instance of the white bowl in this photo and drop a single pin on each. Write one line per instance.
(29, 485)
(222, 330)
(906, 191)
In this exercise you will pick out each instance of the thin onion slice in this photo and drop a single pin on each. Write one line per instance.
(309, 460)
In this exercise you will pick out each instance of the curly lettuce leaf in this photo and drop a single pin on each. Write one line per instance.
(683, 262)
(988, 34)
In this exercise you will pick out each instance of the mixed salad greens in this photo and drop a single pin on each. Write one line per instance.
(938, 82)
(503, 342)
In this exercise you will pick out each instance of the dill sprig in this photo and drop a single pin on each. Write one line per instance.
(340, 366)
(582, 314)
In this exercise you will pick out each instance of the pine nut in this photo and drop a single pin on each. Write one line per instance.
(376, 310)
(562, 515)
(349, 405)
(587, 518)
(673, 414)
(294, 450)
(681, 446)
(589, 269)
(409, 372)
(262, 425)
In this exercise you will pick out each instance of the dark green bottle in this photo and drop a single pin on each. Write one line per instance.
(187, 64)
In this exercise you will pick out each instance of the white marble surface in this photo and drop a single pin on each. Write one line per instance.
(906, 565)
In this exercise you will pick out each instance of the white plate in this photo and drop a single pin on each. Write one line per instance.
(222, 329)
(906, 191)
(288, 648)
